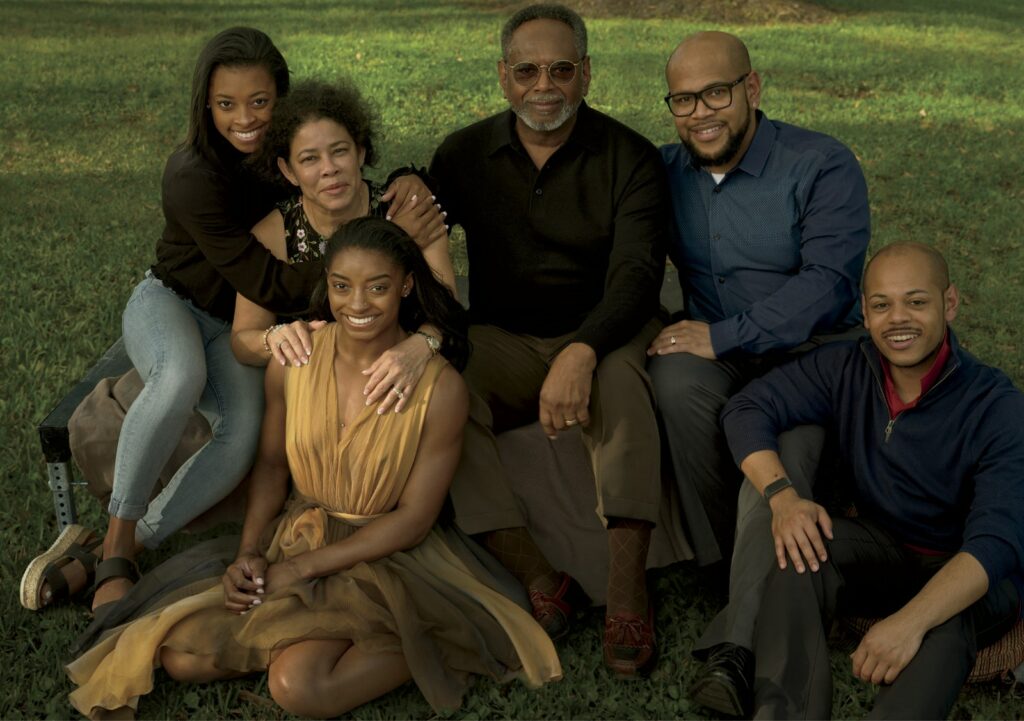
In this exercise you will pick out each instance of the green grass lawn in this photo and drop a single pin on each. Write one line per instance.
(927, 94)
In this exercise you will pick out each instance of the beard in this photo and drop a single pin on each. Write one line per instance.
(728, 151)
(564, 114)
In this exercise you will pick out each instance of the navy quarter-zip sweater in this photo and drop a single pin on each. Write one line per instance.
(947, 474)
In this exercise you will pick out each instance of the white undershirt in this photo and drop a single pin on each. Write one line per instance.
(718, 177)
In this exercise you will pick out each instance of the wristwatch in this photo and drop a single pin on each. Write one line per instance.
(432, 342)
(776, 487)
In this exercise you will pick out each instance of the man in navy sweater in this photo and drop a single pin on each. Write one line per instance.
(931, 454)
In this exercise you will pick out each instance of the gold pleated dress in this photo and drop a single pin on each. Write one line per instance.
(428, 602)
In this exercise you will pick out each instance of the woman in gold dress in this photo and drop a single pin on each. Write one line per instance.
(353, 590)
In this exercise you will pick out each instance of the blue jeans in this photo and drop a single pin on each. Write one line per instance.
(184, 357)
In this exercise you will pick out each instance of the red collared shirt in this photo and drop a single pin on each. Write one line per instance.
(892, 398)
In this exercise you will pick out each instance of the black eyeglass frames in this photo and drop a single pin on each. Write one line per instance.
(714, 97)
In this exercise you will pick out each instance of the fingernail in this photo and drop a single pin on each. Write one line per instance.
(433, 197)
(444, 213)
(413, 196)
(260, 581)
(387, 217)
(48, 594)
(446, 227)
(256, 602)
(380, 411)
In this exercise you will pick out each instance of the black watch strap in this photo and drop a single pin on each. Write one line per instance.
(777, 487)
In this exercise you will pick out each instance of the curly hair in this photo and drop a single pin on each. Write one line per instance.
(312, 100)
(430, 301)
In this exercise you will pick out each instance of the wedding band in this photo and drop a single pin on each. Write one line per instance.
(671, 340)
(571, 421)
(397, 392)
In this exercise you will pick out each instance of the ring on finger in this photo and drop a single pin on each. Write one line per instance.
(570, 421)
(671, 340)
(397, 392)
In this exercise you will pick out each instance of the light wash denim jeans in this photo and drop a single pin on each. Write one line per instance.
(184, 357)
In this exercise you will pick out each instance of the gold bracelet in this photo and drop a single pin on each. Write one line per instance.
(266, 336)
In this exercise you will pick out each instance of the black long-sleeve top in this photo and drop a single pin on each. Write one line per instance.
(207, 252)
(575, 247)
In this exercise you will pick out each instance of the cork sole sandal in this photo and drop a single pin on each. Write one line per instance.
(75, 543)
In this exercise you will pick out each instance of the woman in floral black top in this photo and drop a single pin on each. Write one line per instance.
(319, 139)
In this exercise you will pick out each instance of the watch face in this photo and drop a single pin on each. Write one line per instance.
(432, 342)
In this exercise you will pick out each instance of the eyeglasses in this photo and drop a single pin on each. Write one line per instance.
(715, 97)
(561, 72)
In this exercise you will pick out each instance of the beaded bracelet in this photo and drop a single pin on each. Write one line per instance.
(266, 336)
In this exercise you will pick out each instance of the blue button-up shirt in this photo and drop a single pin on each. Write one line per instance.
(773, 254)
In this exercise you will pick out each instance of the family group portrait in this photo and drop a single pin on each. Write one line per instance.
(594, 359)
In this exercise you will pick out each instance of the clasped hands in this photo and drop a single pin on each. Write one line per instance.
(250, 578)
(414, 210)
(797, 528)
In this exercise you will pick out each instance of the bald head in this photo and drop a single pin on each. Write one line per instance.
(722, 50)
(931, 262)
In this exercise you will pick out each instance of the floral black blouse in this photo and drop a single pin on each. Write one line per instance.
(302, 241)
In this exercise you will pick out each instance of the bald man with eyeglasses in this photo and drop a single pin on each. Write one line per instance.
(566, 218)
(771, 226)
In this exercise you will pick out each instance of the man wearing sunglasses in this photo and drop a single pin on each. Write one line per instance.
(771, 226)
(565, 212)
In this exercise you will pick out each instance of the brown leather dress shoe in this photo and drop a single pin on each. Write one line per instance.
(555, 612)
(630, 649)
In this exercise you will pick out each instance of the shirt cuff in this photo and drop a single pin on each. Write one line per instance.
(724, 337)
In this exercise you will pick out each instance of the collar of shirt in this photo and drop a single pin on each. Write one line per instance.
(892, 398)
(585, 132)
(754, 160)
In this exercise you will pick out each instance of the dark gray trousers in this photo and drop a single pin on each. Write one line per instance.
(868, 574)
(690, 393)
(754, 557)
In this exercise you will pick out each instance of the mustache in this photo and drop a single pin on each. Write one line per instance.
(545, 98)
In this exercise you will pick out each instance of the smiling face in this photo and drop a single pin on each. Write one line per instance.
(326, 165)
(546, 106)
(365, 289)
(906, 309)
(240, 100)
(717, 139)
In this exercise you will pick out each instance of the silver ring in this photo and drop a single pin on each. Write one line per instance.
(671, 340)
(570, 421)
(397, 392)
